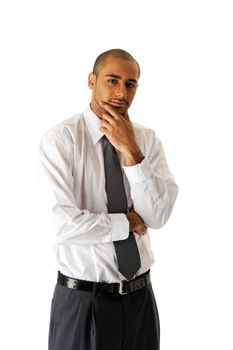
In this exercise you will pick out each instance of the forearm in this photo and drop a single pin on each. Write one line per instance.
(133, 157)
(74, 222)
(79, 226)
(84, 227)
(153, 195)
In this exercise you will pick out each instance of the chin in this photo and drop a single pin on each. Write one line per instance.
(120, 110)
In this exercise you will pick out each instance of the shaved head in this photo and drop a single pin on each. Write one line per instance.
(116, 53)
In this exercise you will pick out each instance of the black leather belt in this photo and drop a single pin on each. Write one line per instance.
(125, 287)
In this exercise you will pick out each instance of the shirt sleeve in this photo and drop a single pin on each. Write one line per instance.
(153, 188)
(72, 224)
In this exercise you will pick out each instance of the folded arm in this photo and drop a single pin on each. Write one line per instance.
(153, 188)
(74, 225)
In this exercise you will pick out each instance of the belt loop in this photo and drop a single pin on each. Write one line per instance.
(94, 289)
(147, 278)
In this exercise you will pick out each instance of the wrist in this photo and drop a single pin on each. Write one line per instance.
(133, 157)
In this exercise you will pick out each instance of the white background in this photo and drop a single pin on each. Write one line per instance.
(185, 94)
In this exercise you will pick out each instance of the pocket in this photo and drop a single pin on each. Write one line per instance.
(59, 302)
(59, 312)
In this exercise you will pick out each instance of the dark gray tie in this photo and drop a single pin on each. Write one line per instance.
(126, 250)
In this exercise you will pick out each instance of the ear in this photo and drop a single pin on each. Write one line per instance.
(91, 81)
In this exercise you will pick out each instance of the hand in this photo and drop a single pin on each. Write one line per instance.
(136, 223)
(119, 131)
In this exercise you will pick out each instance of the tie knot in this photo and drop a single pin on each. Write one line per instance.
(108, 145)
(106, 139)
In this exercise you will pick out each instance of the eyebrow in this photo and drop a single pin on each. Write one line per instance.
(118, 77)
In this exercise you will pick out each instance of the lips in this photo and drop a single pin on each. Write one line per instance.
(118, 103)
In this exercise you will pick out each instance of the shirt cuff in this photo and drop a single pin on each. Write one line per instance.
(139, 172)
(120, 227)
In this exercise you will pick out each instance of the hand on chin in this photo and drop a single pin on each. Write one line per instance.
(119, 109)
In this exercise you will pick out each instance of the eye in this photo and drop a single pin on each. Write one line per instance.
(130, 85)
(112, 81)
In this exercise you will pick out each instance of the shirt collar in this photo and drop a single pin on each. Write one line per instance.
(93, 124)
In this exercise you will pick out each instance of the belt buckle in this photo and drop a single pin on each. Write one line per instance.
(121, 288)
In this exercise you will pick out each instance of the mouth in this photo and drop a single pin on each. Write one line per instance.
(118, 103)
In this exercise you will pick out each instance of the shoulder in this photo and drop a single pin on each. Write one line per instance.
(64, 131)
(145, 133)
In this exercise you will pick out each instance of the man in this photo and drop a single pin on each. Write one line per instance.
(103, 298)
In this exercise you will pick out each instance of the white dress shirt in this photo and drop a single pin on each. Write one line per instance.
(71, 154)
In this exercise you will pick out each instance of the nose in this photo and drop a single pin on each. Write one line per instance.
(120, 91)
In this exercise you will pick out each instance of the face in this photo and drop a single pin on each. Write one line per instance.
(116, 84)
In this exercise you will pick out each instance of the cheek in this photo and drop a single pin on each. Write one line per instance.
(131, 96)
(103, 92)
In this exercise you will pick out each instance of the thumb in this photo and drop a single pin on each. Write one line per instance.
(126, 116)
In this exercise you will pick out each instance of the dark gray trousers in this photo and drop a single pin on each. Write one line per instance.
(85, 321)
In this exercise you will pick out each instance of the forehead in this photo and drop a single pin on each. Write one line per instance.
(126, 69)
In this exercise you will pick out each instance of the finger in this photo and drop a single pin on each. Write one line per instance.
(140, 228)
(140, 233)
(126, 116)
(143, 231)
(109, 109)
(108, 118)
(104, 130)
(105, 123)
(106, 126)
